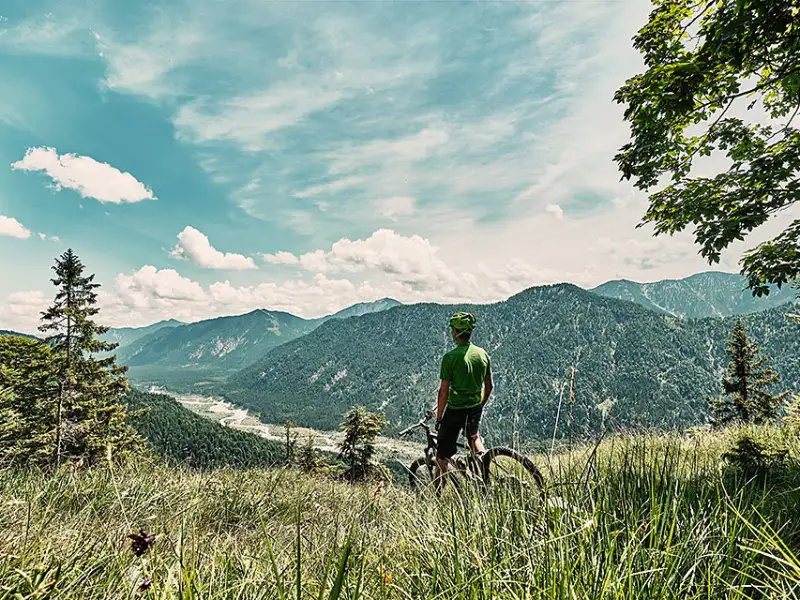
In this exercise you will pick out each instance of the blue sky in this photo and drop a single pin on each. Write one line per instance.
(211, 157)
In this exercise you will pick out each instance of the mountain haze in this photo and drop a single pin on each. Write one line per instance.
(127, 335)
(188, 354)
(711, 294)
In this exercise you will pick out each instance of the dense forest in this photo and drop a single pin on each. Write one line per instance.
(180, 436)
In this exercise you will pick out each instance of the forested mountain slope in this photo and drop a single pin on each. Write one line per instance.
(637, 367)
(25, 335)
(697, 296)
(179, 435)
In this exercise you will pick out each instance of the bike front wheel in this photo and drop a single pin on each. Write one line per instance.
(506, 467)
(420, 474)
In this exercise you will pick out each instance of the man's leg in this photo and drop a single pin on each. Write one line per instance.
(447, 444)
(441, 472)
(473, 423)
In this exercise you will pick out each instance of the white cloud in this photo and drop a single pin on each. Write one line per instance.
(414, 264)
(384, 251)
(142, 67)
(555, 210)
(91, 179)
(151, 284)
(195, 245)
(249, 119)
(21, 311)
(396, 206)
(9, 226)
(333, 186)
(281, 258)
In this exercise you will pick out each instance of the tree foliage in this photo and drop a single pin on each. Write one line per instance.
(90, 419)
(746, 385)
(357, 449)
(708, 63)
(28, 389)
(57, 401)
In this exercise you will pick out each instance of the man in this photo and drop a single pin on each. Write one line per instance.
(466, 384)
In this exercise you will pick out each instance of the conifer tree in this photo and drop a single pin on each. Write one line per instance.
(90, 419)
(28, 387)
(746, 385)
(361, 428)
(792, 417)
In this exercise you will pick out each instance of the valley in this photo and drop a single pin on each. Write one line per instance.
(640, 362)
(225, 413)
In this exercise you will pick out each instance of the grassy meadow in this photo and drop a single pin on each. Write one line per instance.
(631, 517)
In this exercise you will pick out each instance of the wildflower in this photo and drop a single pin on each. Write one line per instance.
(387, 579)
(141, 542)
(145, 585)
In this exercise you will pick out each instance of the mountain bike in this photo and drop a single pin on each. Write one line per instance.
(498, 465)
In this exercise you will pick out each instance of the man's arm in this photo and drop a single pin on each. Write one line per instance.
(488, 386)
(444, 391)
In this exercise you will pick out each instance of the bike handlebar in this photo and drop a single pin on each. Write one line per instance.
(421, 423)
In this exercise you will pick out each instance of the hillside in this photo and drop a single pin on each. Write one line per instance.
(180, 436)
(25, 335)
(701, 295)
(643, 369)
(195, 354)
(127, 335)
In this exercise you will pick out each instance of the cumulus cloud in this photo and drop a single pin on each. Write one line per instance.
(148, 284)
(85, 175)
(194, 245)
(9, 226)
(21, 311)
(281, 258)
(410, 258)
(415, 264)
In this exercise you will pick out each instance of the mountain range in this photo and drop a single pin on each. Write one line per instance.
(189, 354)
(647, 354)
(636, 367)
(711, 294)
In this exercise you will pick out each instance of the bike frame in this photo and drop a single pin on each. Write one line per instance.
(471, 467)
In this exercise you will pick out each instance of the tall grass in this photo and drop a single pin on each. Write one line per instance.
(637, 517)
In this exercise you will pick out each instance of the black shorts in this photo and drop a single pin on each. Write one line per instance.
(453, 421)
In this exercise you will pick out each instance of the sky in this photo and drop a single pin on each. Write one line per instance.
(211, 157)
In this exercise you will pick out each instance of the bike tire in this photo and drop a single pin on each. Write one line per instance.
(419, 480)
(524, 462)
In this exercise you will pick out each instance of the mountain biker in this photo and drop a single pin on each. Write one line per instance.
(466, 383)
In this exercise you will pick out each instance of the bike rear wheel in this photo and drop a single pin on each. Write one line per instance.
(504, 466)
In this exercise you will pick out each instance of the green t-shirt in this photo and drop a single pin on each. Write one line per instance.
(465, 367)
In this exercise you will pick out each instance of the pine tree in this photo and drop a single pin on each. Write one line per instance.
(792, 417)
(90, 419)
(746, 385)
(28, 387)
(308, 459)
(358, 446)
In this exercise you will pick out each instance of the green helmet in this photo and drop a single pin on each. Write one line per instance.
(462, 322)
